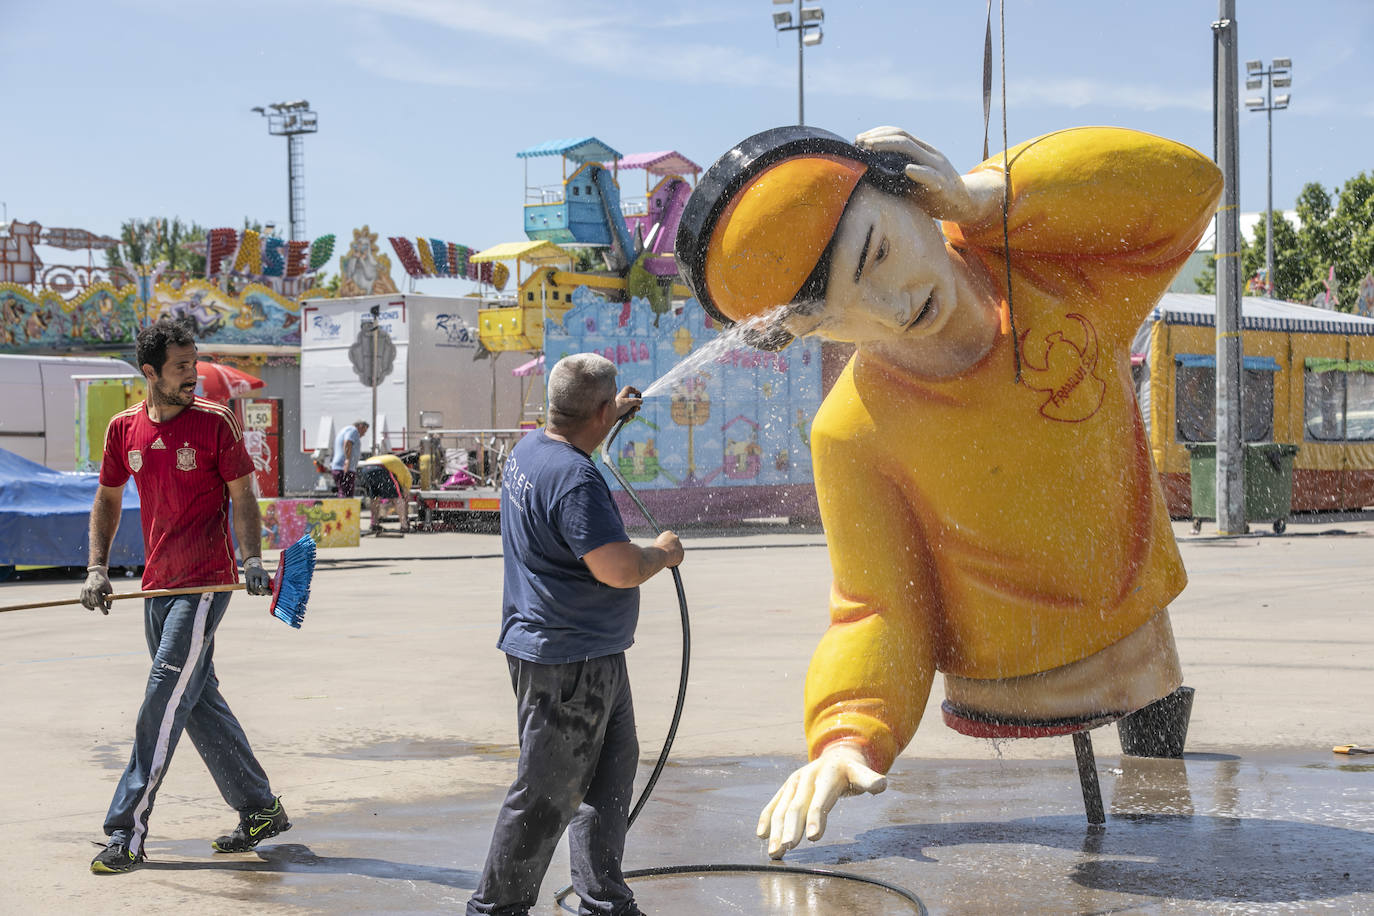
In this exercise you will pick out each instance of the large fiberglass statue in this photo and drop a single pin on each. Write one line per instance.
(988, 497)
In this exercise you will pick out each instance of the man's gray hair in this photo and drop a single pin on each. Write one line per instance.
(578, 387)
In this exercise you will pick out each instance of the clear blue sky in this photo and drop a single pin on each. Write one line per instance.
(123, 108)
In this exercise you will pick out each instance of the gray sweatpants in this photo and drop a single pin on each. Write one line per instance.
(183, 694)
(578, 755)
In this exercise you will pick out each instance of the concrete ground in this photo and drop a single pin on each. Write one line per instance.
(387, 725)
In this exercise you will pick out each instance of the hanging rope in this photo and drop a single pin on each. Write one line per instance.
(1006, 190)
(1006, 167)
(987, 80)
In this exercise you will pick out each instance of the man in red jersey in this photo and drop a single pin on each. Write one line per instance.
(187, 457)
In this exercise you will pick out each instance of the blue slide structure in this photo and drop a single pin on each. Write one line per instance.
(622, 246)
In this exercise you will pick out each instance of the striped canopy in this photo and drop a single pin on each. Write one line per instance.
(1259, 314)
(663, 162)
(540, 253)
(576, 149)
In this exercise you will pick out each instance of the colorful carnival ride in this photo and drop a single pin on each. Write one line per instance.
(633, 239)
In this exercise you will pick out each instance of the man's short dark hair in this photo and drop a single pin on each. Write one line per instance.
(150, 348)
(579, 386)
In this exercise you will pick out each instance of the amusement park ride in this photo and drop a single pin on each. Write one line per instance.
(633, 239)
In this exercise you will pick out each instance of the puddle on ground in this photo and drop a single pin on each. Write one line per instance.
(409, 748)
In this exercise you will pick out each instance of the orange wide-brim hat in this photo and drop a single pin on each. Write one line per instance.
(763, 216)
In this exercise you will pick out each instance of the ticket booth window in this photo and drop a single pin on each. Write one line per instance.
(1195, 398)
(1338, 401)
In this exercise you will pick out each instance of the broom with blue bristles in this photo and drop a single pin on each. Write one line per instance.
(291, 582)
(290, 586)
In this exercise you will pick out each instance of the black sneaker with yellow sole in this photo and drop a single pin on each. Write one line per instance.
(115, 859)
(254, 827)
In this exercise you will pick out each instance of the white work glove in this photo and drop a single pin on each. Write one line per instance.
(811, 792)
(255, 577)
(95, 593)
(940, 189)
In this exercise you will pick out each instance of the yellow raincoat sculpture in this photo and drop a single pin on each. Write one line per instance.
(982, 470)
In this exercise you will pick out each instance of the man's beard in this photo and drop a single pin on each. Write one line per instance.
(168, 395)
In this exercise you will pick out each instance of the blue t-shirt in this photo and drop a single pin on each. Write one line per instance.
(348, 434)
(555, 509)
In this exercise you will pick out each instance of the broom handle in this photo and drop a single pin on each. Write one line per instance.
(154, 593)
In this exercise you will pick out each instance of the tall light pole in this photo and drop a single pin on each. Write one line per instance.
(809, 34)
(1230, 470)
(1278, 76)
(291, 120)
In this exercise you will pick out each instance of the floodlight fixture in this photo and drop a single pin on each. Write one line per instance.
(807, 25)
(292, 120)
(1277, 77)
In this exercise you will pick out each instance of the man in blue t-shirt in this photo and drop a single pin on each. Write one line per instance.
(569, 612)
(347, 450)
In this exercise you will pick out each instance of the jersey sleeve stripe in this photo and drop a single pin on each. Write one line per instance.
(222, 412)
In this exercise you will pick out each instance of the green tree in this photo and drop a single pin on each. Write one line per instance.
(1334, 231)
(1316, 240)
(1352, 226)
(146, 242)
(587, 260)
(1290, 266)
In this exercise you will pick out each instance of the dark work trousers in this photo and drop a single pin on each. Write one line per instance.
(345, 483)
(183, 694)
(578, 754)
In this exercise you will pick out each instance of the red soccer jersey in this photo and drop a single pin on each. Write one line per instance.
(180, 468)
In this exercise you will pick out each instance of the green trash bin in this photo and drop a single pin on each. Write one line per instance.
(1268, 482)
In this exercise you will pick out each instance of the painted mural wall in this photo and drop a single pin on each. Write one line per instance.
(740, 420)
(103, 316)
(330, 522)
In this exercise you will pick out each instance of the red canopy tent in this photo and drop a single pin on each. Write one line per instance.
(219, 382)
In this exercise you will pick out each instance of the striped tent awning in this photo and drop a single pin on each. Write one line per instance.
(663, 162)
(1259, 314)
(576, 149)
(539, 253)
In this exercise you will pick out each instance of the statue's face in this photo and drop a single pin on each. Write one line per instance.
(890, 275)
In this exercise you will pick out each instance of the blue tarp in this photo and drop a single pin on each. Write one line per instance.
(45, 516)
(1209, 361)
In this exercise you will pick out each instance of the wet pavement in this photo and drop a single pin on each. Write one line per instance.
(387, 725)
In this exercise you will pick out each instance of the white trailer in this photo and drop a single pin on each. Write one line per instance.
(441, 379)
(38, 404)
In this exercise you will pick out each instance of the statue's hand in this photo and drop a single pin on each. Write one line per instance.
(811, 792)
(940, 189)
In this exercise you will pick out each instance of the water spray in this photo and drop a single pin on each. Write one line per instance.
(668, 870)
